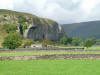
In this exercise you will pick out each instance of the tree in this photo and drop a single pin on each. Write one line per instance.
(64, 40)
(76, 41)
(12, 41)
(88, 43)
(69, 40)
(26, 42)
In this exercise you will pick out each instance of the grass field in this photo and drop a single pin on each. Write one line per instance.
(93, 48)
(43, 53)
(90, 48)
(50, 67)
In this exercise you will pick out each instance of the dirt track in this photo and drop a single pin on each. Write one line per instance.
(63, 56)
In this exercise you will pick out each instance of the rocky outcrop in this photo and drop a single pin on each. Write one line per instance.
(37, 28)
(45, 30)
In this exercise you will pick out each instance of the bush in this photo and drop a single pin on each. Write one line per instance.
(76, 41)
(88, 43)
(64, 40)
(22, 19)
(10, 28)
(45, 43)
(24, 27)
(26, 42)
(12, 41)
(37, 42)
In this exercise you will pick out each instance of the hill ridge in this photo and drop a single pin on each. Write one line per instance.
(83, 30)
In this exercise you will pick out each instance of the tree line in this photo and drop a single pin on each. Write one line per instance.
(78, 41)
(15, 40)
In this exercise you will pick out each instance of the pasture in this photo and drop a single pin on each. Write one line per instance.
(50, 67)
(90, 48)
(46, 53)
(93, 48)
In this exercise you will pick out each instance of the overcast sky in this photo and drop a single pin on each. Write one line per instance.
(62, 11)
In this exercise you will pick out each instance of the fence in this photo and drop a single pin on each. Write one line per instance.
(44, 48)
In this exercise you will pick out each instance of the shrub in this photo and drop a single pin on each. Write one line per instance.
(10, 28)
(76, 41)
(64, 40)
(45, 43)
(24, 27)
(88, 43)
(12, 41)
(26, 42)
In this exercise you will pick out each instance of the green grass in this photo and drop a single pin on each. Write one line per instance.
(50, 67)
(2, 34)
(93, 48)
(70, 47)
(43, 53)
(90, 48)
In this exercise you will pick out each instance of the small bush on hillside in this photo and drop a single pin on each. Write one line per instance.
(88, 43)
(26, 42)
(22, 19)
(24, 27)
(45, 43)
(10, 28)
(64, 40)
(76, 41)
(12, 41)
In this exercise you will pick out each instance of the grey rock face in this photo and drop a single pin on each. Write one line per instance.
(38, 28)
(41, 32)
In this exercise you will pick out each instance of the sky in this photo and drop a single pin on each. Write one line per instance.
(62, 11)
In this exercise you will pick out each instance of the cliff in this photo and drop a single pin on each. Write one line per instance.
(37, 28)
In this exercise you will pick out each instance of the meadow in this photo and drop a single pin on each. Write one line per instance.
(50, 67)
(43, 53)
(93, 48)
(89, 48)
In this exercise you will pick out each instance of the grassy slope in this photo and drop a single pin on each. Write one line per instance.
(10, 12)
(50, 67)
(2, 35)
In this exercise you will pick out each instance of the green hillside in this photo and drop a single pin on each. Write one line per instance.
(2, 34)
(33, 27)
(83, 30)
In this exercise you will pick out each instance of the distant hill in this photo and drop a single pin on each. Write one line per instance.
(83, 30)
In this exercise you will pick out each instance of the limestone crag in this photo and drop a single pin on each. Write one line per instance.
(37, 28)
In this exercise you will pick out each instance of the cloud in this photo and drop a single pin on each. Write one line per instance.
(62, 11)
(6, 4)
